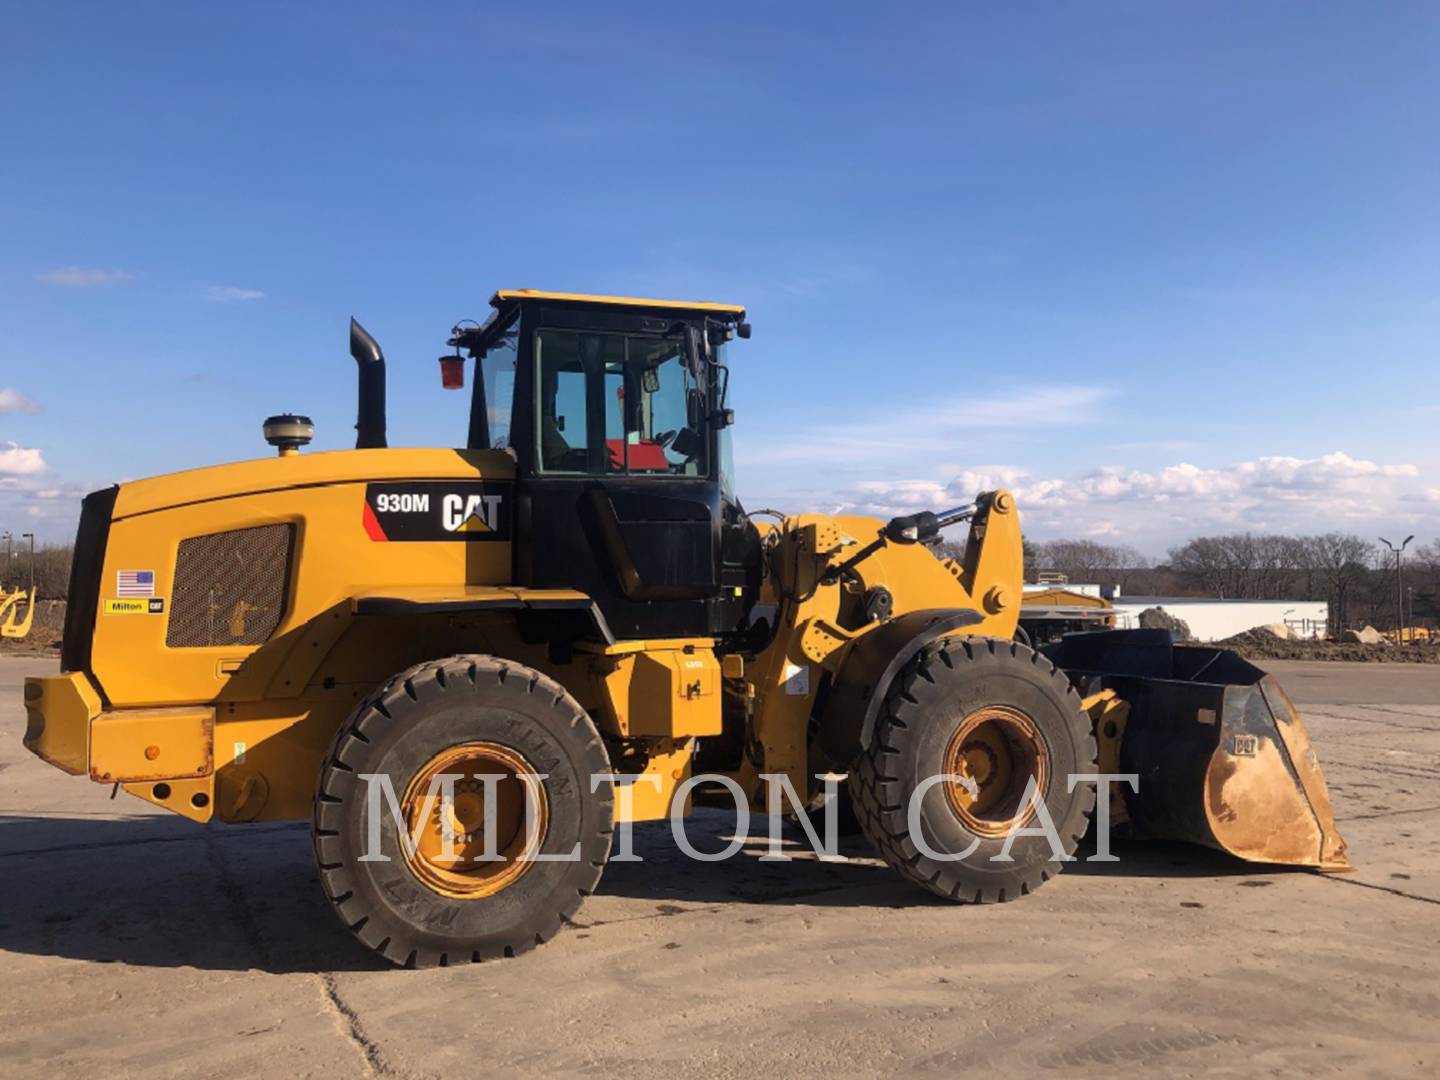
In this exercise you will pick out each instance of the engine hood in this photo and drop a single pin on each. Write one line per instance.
(307, 470)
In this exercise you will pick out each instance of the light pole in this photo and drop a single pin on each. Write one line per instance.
(31, 538)
(1399, 585)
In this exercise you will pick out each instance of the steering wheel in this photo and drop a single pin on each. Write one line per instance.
(665, 438)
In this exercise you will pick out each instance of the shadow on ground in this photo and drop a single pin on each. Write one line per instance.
(156, 891)
(1168, 859)
(159, 891)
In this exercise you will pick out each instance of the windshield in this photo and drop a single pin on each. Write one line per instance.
(497, 371)
(493, 398)
(727, 465)
(618, 403)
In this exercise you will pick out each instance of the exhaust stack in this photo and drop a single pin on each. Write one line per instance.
(370, 414)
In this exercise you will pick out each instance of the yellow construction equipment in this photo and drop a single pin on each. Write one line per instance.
(11, 624)
(1049, 613)
(465, 666)
(7, 598)
(14, 626)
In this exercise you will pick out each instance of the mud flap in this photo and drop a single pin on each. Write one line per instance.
(1222, 755)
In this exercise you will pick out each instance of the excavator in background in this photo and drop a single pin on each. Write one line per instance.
(466, 666)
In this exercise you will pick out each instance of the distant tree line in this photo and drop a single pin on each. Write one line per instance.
(52, 570)
(1355, 576)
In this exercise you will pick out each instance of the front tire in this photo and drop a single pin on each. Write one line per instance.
(467, 717)
(1001, 715)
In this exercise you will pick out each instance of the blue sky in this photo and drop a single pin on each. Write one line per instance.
(1162, 268)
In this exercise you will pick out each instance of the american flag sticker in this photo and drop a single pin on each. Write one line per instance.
(135, 583)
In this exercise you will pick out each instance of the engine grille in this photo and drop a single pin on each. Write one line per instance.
(230, 587)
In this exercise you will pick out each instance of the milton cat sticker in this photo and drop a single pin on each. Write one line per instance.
(438, 510)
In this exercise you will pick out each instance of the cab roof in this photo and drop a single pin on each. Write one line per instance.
(504, 297)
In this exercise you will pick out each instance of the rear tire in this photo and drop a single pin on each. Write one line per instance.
(401, 906)
(1014, 715)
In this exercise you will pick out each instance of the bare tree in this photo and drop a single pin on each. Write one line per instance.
(1088, 561)
(52, 570)
(1422, 580)
(1340, 562)
(1210, 561)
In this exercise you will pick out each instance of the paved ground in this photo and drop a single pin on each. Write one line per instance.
(133, 942)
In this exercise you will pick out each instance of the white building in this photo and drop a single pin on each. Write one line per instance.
(1211, 620)
(1215, 620)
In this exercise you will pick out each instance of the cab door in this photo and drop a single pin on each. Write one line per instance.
(619, 495)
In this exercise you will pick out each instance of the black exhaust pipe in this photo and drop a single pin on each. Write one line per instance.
(370, 415)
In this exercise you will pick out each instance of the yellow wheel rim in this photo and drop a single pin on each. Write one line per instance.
(487, 852)
(998, 749)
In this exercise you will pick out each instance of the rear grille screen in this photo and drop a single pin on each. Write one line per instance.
(230, 587)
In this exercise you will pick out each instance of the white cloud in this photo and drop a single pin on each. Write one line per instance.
(52, 513)
(13, 401)
(1154, 509)
(20, 460)
(53, 507)
(230, 294)
(81, 277)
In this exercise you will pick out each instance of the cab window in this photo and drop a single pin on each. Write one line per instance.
(497, 374)
(617, 404)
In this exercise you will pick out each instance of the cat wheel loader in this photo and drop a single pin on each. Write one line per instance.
(467, 667)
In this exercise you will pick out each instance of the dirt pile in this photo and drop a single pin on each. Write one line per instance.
(1366, 635)
(1259, 644)
(1157, 618)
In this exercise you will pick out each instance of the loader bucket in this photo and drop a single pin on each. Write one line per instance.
(1222, 756)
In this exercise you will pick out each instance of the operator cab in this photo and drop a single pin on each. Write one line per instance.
(614, 409)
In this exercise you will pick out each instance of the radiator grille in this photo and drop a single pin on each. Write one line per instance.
(230, 587)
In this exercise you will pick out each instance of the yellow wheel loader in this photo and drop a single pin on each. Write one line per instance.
(467, 666)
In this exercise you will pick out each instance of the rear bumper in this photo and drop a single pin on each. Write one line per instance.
(68, 728)
(58, 712)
